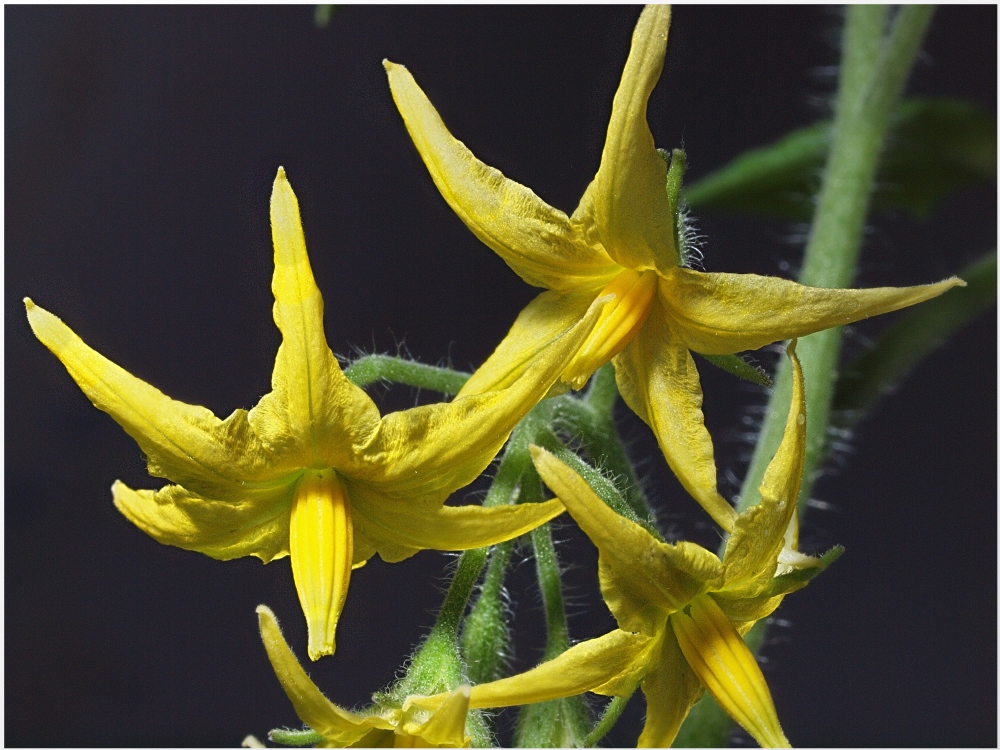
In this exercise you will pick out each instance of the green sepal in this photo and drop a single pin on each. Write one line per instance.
(295, 737)
(736, 365)
(914, 336)
(560, 723)
(935, 146)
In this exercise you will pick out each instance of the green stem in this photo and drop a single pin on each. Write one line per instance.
(874, 68)
(373, 367)
(608, 719)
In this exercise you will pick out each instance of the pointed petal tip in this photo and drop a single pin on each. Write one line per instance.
(28, 304)
(281, 175)
(264, 611)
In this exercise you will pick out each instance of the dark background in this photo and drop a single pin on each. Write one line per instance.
(140, 147)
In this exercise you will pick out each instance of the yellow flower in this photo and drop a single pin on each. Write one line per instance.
(379, 727)
(313, 471)
(620, 241)
(681, 611)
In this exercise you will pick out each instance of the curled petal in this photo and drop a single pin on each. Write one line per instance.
(398, 528)
(671, 690)
(628, 197)
(313, 415)
(658, 379)
(257, 525)
(758, 537)
(545, 319)
(435, 449)
(725, 313)
(446, 726)
(642, 580)
(185, 443)
(330, 720)
(583, 667)
(536, 240)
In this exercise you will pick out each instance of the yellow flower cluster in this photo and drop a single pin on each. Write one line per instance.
(315, 472)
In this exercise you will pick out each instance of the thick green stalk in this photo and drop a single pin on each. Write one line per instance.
(874, 68)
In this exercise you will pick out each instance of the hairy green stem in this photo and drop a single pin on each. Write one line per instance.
(608, 719)
(373, 367)
(874, 67)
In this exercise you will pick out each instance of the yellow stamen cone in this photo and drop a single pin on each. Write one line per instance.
(727, 669)
(322, 549)
(619, 323)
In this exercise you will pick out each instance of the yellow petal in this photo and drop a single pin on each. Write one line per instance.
(399, 528)
(545, 319)
(724, 313)
(758, 537)
(257, 525)
(435, 449)
(446, 726)
(642, 580)
(536, 240)
(583, 667)
(727, 669)
(314, 416)
(312, 707)
(628, 197)
(321, 539)
(184, 443)
(671, 689)
(658, 379)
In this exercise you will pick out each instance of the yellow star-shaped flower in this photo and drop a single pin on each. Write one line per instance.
(379, 727)
(313, 471)
(620, 240)
(681, 611)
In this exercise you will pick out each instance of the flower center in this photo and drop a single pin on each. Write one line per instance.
(619, 323)
(321, 540)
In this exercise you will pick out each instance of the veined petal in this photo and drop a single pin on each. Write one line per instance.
(758, 536)
(314, 416)
(545, 319)
(330, 720)
(727, 669)
(658, 379)
(671, 689)
(398, 528)
(536, 240)
(642, 579)
(185, 443)
(435, 449)
(321, 540)
(446, 726)
(256, 525)
(628, 197)
(583, 667)
(725, 313)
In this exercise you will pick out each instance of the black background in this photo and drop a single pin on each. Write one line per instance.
(141, 144)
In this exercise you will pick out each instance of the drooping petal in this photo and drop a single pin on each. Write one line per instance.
(642, 580)
(628, 197)
(536, 240)
(758, 536)
(583, 667)
(658, 379)
(545, 319)
(446, 726)
(727, 669)
(321, 540)
(671, 689)
(314, 416)
(330, 720)
(725, 313)
(435, 449)
(256, 525)
(398, 528)
(185, 443)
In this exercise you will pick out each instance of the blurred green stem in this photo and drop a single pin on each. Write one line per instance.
(875, 64)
